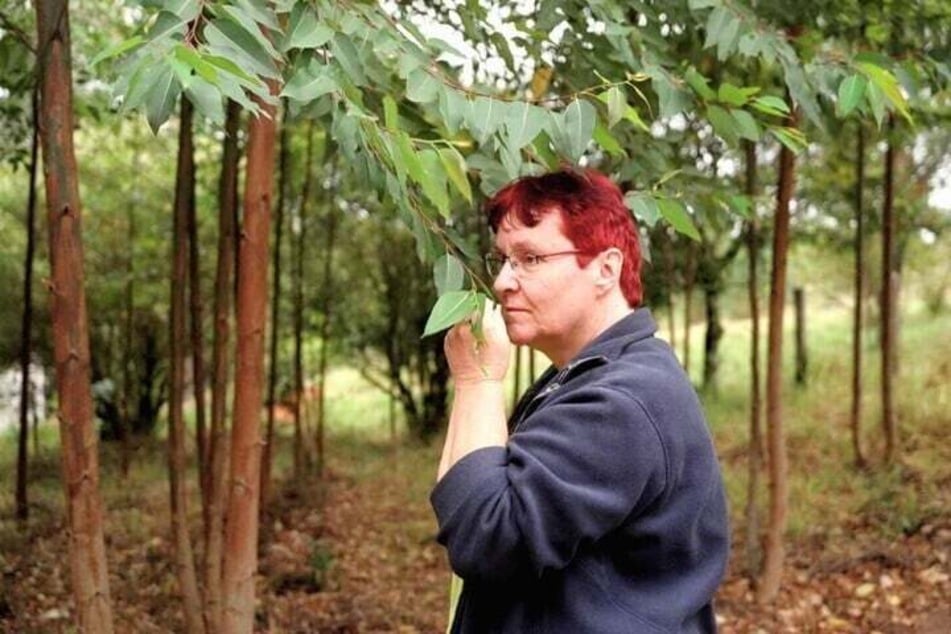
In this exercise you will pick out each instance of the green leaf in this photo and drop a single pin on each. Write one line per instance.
(579, 119)
(792, 138)
(117, 49)
(259, 11)
(456, 170)
(723, 124)
(348, 57)
(876, 101)
(166, 24)
(422, 87)
(434, 181)
(675, 213)
(741, 205)
(448, 274)
(888, 85)
(310, 82)
(699, 84)
(161, 98)
(228, 66)
(187, 10)
(851, 93)
(227, 39)
(771, 105)
(450, 309)
(242, 18)
(305, 30)
(483, 118)
(718, 20)
(409, 156)
(391, 114)
(604, 138)
(189, 56)
(617, 104)
(734, 95)
(727, 38)
(453, 107)
(207, 99)
(746, 125)
(644, 207)
(523, 122)
(696, 5)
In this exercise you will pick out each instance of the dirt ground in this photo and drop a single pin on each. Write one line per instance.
(356, 553)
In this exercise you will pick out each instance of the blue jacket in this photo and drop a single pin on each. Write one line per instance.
(604, 513)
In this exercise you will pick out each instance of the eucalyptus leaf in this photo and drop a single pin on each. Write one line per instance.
(449, 274)
(523, 122)
(746, 125)
(456, 170)
(348, 57)
(607, 142)
(723, 124)
(161, 98)
(450, 309)
(305, 30)
(851, 94)
(644, 207)
(422, 87)
(433, 181)
(675, 213)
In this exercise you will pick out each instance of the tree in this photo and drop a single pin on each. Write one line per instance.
(241, 537)
(184, 201)
(79, 446)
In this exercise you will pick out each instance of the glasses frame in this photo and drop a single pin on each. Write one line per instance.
(521, 264)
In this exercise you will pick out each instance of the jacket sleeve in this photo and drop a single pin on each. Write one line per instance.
(576, 469)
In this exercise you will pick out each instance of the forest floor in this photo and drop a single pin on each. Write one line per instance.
(356, 552)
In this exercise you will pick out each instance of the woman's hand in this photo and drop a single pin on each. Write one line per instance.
(472, 359)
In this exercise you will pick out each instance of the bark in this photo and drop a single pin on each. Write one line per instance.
(26, 330)
(270, 400)
(241, 536)
(298, 292)
(184, 197)
(670, 276)
(753, 554)
(855, 418)
(774, 551)
(802, 359)
(218, 440)
(199, 372)
(712, 336)
(690, 273)
(129, 362)
(327, 310)
(78, 441)
(517, 384)
(888, 329)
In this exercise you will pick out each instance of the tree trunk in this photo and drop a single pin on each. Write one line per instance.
(251, 309)
(670, 277)
(218, 440)
(128, 358)
(184, 197)
(690, 271)
(753, 554)
(714, 333)
(198, 350)
(888, 300)
(774, 551)
(517, 384)
(270, 400)
(79, 444)
(26, 329)
(855, 420)
(802, 359)
(327, 310)
(300, 457)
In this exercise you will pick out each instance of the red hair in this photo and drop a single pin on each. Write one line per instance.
(594, 217)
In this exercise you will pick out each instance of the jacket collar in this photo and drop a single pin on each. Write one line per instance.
(633, 327)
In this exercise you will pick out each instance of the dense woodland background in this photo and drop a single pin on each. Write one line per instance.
(254, 210)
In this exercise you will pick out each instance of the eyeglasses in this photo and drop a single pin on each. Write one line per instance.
(522, 264)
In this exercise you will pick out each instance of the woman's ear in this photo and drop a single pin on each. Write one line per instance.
(609, 271)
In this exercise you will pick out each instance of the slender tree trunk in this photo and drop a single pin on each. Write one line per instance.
(26, 326)
(327, 309)
(532, 374)
(251, 308)
(690, 271)
(774, 551)
(218, 441)
(888, 300)
(79, 444)
(270, 400)
(199, 372)
(802, 360)
(128, 358)
(855, 421)
(753, 554)
(712, 336)
(184, 197)
(300, 457)
(670, 275)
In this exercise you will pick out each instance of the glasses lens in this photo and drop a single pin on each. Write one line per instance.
(494, 263)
